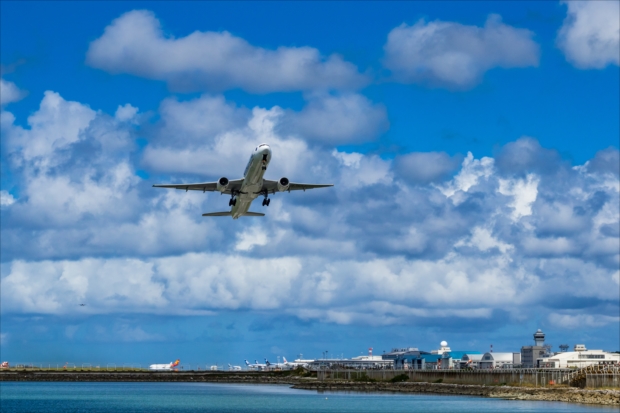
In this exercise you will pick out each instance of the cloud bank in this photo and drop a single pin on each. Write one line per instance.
(135, 43)
(425, 236)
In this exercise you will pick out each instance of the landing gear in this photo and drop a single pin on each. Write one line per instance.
(232, 202)
(266, 201)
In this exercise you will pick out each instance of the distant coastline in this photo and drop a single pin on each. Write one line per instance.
(563, 394)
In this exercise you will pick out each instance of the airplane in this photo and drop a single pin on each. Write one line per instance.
(248, 188)
(235, 368)
(293, 364)
(256, 365)
(169, 366)
(274, 365)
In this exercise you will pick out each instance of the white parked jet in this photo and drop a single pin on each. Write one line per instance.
(234, 368)
(295, 364)
(169, 366)
(245, 190)
(275, 365)
(255, 366)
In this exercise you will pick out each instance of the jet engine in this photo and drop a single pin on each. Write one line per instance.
(222, 184)
(283, 184)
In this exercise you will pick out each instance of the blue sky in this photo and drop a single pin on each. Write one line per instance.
(474, 148)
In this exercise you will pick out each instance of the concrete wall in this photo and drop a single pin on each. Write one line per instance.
(531, 377)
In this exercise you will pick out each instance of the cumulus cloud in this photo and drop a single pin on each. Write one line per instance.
(590, 35)
(426, 167)
(606, 161)
(125, 113)
(455, 56)
(9, 92)
(336, 120)
(135, 43)
(6, 199)
(581, 320)
(465, 241)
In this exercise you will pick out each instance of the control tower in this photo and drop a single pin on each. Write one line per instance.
(530, 354)
(539, 338)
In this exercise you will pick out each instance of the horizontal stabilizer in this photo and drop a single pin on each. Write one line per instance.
(228, 213)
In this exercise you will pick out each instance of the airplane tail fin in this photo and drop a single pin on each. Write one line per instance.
(284, 358)
(246, 363)
(176, 363)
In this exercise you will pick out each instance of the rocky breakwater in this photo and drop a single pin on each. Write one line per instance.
(562, 394)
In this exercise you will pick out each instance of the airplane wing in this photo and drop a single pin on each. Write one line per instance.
(234, 184)
(272, 186)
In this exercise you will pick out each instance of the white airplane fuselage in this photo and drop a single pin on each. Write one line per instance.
(252, 180)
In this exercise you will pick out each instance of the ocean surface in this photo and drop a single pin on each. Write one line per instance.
(36, 397)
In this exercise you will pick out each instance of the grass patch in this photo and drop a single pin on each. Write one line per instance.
(364, 378)
(399, 378)
(438, 381)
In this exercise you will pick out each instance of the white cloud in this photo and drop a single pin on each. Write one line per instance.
(6, 199)
(337, 120)
(135, 43)
(125, 113)
(359, 170)
(523, 192)
(250, 238)
(482, 239)
(472, 171)
(582, 320)
(453, 55)
(426, 167)
(4, 339)
(57, 124)
(590, 35)
(9, 92)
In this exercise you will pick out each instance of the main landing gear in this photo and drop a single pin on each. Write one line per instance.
(266, 201)
(233, 201)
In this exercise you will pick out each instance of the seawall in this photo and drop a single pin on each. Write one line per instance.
(562, 394)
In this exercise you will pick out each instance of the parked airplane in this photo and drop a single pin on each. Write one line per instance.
(169, 366)
(295, 364)
(255, 366)
(248, 188)
(235, 368)
(274, 365)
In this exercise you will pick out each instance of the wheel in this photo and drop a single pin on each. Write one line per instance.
(230, 202)
(263, 202)
(268, 202)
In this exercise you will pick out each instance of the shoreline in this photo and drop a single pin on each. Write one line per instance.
(562, 394)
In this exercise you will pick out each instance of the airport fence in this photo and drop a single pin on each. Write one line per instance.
(498, 377)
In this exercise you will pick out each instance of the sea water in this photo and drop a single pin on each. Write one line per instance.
(34, 397)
